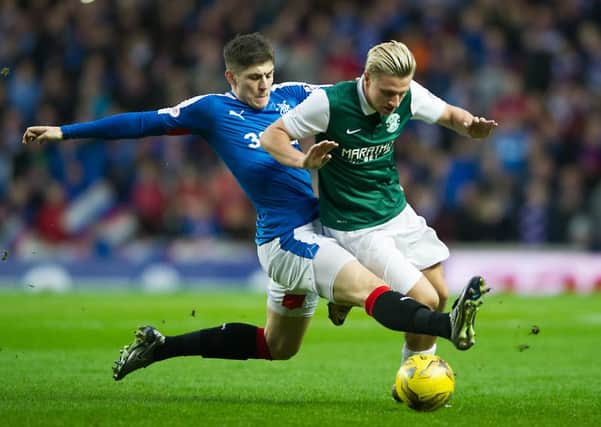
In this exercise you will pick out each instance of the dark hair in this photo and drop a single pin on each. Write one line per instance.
(246, 50)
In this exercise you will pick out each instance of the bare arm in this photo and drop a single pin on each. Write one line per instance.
(276, 141)
(465, 123)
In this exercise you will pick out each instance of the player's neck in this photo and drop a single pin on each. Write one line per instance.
(365, 95)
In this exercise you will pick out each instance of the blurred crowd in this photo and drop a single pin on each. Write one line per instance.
(534, 66)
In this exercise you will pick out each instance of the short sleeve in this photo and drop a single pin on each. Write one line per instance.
(310, 117)
(425, 105)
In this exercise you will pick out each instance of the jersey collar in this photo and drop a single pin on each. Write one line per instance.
(365, 107)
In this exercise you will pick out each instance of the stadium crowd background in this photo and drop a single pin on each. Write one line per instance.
(534, 66)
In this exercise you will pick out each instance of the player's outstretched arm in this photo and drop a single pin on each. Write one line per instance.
(124, 125)
(465, 123)
(276, 141)
(41, 134)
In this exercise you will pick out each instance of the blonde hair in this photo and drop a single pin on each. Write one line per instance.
(391, 58)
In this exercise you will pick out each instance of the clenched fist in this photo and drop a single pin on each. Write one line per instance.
(41, 134)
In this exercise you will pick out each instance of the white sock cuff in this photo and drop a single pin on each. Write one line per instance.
(407, 353)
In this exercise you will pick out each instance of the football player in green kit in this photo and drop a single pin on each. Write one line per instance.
(361, 201)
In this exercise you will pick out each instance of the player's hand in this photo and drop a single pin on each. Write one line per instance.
(41, 134)
(479, 127)
(319, 154)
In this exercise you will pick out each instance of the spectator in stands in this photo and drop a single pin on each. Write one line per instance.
(533, 61)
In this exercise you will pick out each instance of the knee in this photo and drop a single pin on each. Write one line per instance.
(427, 295)
(443, 298)
(282, 350)
(431, 300)
(284, 335)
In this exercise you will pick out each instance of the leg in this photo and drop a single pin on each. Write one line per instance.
(288, 316)
(418, 244)
(431, 290)
(284, 334)
(380, 254)
(350, 283)
(424, 292)
(355, 285)
(238, 341)
(435, 276)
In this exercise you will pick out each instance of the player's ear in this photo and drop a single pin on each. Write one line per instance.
(367, 78)
(230, 77)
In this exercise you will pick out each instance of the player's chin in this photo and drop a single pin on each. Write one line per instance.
(261, 101)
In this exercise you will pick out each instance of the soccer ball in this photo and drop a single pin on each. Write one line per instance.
(424, 382)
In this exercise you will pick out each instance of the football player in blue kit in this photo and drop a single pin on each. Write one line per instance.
(302, 264)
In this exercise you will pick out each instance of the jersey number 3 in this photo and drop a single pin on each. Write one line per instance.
(254, 139)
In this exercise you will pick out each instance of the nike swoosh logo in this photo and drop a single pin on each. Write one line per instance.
(405, 298)
(351, 132)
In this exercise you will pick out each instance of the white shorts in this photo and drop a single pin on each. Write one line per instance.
(397, 250)
(302, 266)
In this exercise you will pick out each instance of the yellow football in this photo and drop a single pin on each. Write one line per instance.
(425, 382)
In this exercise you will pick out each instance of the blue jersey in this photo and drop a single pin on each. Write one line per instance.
(282, 196)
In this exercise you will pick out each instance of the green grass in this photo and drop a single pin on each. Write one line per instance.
(57, 350)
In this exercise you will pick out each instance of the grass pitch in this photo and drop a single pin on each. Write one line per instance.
(56, 353)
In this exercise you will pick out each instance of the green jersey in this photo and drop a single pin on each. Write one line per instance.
(359, 187)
